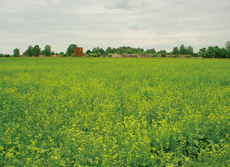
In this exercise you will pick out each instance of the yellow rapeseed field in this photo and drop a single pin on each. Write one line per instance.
(114, 112)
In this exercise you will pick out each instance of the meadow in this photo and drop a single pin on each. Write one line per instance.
(114, 112)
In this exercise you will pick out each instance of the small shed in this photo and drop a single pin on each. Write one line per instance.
(78, 52)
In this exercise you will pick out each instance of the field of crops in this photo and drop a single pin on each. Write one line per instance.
(114, 112)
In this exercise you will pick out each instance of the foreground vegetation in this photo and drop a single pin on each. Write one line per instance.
(114, 112)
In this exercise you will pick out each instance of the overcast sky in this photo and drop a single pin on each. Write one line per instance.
(159, 24)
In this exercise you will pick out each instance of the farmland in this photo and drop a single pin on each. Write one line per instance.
(114, 112)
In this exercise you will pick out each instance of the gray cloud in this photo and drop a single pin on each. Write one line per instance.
(160, 24)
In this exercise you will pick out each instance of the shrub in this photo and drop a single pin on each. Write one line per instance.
(98, 54)
(189, 56)
(176, 55)
(92, 55)
(155, 55)
(163, 55)
(134, 55)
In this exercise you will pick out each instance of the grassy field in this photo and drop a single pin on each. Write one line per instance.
(114, 112)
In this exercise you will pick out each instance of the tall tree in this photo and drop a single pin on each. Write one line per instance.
(183, 50)
(108, 50)
(227, 45)
(150, 51)
(47, 50)
(190, 50)
(175, 50)
(70, 49)
(88, 51)
(36, 50)
(29, 51)
(16, 52)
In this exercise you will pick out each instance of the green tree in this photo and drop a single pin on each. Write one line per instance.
(16, 52)
(36, 50)
(190, 50)
(70, 49)
(29, 51)
(98, 50)
(88, 51)
(47, 50)
(108, 50)
(213, 52)
(162, 52)
(202, 52)
(183, 50)
(175, 51)
(227, 45)
(150, 51)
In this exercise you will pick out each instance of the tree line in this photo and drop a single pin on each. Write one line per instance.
(210, 52)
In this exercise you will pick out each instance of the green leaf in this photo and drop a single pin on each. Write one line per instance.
(196, 143)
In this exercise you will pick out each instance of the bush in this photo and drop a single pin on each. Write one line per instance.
(176, 55)
(163, 55)
(64, 55)
(189, 56)
(195, 54)
(98, 54)
(92, 55)
(109, 55)
(134, 55)
(155, 55)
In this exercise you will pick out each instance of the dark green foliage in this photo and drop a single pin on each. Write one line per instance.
(214, 52)
(176, 55)
(92, 55)
(227, 45)
(88, 51)
(29, 51)
(163, 55)
(162, 52)
(202, 52)
(190, 50)
(16, 52)
(70, 49)
(195, 54)
(99, 54)
(4, 55)
(183, 50)
(175, 50)
(98, 51)
(155, 55)
(122, 50)
(150, 51)
(36, 50)
(108, 50)
(134, 55)
(47, 50)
